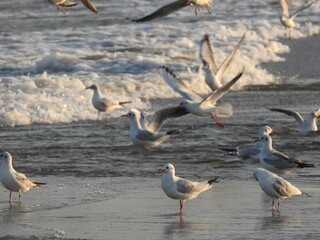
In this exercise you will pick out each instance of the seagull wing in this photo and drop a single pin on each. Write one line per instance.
(294, 114)
(282, 187)
(68, 4)
(185, 186)
(88, 4)
(284, 6)
(206, 53)
(228, 59)
(301, 9)
(164, 114)
(178, 86)
(164, 11)
(216, 95)
(145, 135)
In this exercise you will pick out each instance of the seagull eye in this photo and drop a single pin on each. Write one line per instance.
(167, 167)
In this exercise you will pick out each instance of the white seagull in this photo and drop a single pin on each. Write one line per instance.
(253, 151)
(179, 188)
(209, 106)
(213, 74)
(275, 186)
(175, 6)
(145, 137)
(102, 104)
(66, 3)
(278, 162)
(13, 180)
(288, 20)
(309, 125)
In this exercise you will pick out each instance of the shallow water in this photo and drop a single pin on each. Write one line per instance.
(99, 186)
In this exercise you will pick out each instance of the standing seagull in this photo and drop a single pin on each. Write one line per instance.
(275, 186)
(102, 104)
(253, 151)
(179, 188)
(288, 20)
(145, 137)
(213, 74)
(66, 3)
(175, 6)
(209, 106)
(309, 125)
(13, 180)
(278, 162)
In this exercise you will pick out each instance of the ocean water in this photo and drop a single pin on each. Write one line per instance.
(99, 186)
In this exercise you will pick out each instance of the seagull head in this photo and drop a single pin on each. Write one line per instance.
(5, 157)
(167, 168)
(184, 102)
(132, 114)
(316, 113)
(266, 130)
(93, 87)
(205, 65)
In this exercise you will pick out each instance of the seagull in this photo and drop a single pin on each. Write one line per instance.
(179, 188)
(145, 137)
(309, 125)
(175, 6)
(213, 74)
(288, 20)
(13, 180)
(102, 104)
(275, 186)
(278, 162)
(66, 3)
(253, 151)
(209, 106)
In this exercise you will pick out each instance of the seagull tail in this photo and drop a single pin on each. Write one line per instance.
(213, 180)
(223, 109)
(303, 165)
(304, 193)
(122, 103)
(39, 184)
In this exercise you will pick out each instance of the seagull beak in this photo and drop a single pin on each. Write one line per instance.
(257, 140)
(160, 171)
(126, 115)
(273, 131)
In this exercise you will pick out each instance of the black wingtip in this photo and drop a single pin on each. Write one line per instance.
(39, 183)
(168, 70)
(214, 180)
(303, 165)
(172, 132)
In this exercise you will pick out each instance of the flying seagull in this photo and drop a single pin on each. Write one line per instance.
(175, 6)
(213, 74)
(288, 20)
(210, 105)
(66, 3)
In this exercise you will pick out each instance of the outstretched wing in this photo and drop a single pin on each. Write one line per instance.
(164, 11)
(206, 53)
(301, 9)
(164, 114)
(177, 85)
(223, 67)
(88, 4)
(294, 114)
(284, 6)
(222, 90)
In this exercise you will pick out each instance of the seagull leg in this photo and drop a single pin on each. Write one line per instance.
(181, 205)
(272, 204)
(279, 205)
(209, 10)
(97, 120)
(216, 119)
(19, 197)
(10, 197)
(196, 11)
(106, 117)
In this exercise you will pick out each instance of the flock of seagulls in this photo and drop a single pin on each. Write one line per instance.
(146, 133)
